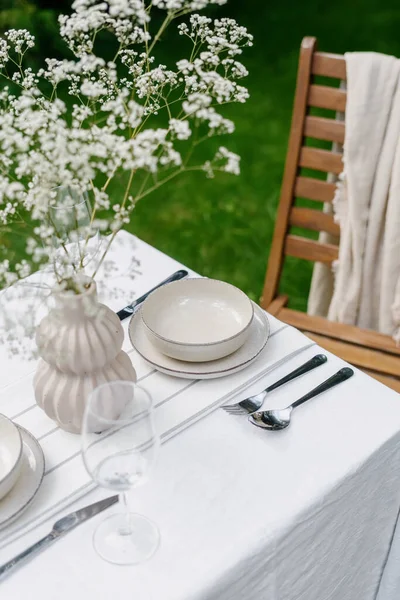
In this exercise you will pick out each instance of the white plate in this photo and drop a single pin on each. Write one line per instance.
(28, 483)
(258, 336)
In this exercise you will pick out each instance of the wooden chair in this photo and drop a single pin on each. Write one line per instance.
(373, 352)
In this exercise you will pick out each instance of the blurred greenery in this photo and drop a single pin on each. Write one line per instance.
(223, 227)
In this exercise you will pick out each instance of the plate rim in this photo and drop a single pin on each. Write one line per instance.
(243, 364)
(31, 437)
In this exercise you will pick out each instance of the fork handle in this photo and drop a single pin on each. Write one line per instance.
(318, 360)
(337, 378)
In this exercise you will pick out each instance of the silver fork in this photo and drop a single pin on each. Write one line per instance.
(254, 403)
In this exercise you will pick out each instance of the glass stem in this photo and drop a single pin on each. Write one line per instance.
(127, 529)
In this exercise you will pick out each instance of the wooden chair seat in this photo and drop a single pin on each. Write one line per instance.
(373, 352)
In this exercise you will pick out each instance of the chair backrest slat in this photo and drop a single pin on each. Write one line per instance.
(321, 160)
(314, 189)
(309, 94)
(323, 96)
(329, 65)
(315, 220)
(310, 249)
(324, 129)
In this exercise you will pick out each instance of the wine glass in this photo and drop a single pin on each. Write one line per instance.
(119, 448)
(70, 215)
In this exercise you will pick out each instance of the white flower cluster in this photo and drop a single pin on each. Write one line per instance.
(179, 129)
(212, 73)
(225, 161)
(220, 35)
(152, 83)
(125, 18)
(131, 118)
(4, 53)
(20, 40)
(184, 4)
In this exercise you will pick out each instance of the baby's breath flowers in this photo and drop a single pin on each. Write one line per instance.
(85, 122)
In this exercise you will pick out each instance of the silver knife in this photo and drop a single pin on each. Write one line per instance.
(126, 312)
(60, 528)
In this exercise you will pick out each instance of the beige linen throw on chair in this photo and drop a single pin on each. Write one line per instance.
(366, 290)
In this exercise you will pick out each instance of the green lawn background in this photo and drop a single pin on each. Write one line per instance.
(223, 227)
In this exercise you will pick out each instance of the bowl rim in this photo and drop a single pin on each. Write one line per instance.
(18, 460)
(198, 344)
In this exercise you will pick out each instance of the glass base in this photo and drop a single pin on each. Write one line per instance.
(126, 539)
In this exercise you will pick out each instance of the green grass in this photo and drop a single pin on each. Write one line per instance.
(223, 227)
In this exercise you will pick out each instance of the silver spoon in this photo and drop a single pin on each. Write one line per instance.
(277, 419)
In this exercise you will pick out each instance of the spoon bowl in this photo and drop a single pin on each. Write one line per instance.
(273, 419)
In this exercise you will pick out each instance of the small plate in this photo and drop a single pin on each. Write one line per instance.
(28, 483)
(258, 336)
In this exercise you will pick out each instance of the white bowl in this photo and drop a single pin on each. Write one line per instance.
(197, 320)
(10, 455)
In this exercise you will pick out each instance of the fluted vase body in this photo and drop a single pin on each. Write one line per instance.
(80, 343)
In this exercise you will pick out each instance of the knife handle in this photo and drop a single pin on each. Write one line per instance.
(26, 554)
(124, 313)
(131, 308)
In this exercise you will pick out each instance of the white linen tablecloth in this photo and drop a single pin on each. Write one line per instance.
(308, 513)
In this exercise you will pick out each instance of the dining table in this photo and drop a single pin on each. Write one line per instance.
(307, 513)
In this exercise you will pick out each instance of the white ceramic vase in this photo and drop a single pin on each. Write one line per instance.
(80, 343)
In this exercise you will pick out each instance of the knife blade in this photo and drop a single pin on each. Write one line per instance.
(60, 528)
(126, 312)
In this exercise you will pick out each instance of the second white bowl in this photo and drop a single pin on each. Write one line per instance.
(10, 455)
(197, 320)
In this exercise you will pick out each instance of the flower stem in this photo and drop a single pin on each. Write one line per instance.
(132, 173)
(159, 33)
